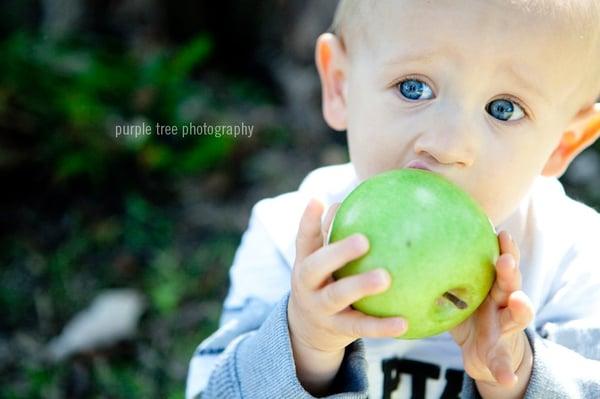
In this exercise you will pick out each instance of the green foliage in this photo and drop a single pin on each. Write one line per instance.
(98, 211)
(65, 100)
(166, 283)
(144, 226)
(65, 279)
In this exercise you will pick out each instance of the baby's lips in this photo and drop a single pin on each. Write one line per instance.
(418, 165)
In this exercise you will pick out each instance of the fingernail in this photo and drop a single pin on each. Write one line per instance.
(361, 242)
(512, 262)
(400, 325)
(509, 261)
(382, 275)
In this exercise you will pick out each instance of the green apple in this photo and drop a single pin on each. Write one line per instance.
(437, 243)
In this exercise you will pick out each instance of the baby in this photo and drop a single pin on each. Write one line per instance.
(497, 96)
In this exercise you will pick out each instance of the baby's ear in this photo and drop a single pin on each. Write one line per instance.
(582, 132)
(331, 60)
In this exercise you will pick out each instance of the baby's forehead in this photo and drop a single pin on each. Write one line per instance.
(358, 19)
(498, 32)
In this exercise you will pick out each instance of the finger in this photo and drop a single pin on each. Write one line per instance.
(508, 245)
(326, 225)
(319, 266)
(356, 324)
(517, 315)
(337, 296)
(500, 365)
(309, 239)
(508, 279)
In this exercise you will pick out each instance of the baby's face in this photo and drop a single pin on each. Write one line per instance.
(479, 91)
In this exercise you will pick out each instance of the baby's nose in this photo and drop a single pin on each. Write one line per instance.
(450, 144)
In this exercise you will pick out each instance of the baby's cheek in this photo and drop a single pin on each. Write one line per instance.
(503, 203)
(367, 157)
(374, 164)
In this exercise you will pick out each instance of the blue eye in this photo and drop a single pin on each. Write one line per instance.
(505, 110)
(415, 89)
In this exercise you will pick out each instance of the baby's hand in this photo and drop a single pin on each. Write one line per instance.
(494, 345)
(321, 320)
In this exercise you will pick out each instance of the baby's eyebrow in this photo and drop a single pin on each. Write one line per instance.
(423, 57)
(457, 57)
(525, 83)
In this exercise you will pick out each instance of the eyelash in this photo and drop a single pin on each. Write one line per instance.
(415, 77)
(509, 97)
(514, 100)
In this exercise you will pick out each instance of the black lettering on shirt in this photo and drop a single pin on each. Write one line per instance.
(419, 372)
(454, 379)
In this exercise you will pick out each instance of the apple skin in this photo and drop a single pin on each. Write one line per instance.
(431, 236)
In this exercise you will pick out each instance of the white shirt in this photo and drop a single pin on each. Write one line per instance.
(557, 238)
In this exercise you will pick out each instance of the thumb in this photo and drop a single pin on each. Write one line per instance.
(309, 237)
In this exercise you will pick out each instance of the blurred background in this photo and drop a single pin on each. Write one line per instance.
(114, 251)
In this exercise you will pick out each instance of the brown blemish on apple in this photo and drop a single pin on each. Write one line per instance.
(456, 301)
